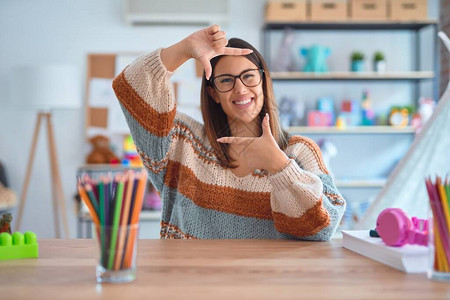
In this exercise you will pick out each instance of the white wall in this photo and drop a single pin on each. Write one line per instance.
(43, 32)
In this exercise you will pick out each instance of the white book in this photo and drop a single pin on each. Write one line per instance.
(408, 258)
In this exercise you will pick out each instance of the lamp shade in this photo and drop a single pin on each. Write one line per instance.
(46, 87)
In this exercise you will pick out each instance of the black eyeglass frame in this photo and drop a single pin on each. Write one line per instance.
(261, 73)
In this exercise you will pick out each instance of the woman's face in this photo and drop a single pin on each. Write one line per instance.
(241, 104)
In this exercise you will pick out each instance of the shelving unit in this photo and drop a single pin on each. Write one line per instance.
(358, 182)
(415, 75)
(419, 75)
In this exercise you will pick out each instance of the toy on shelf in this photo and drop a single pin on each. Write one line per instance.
(18, 245)
(367, 113)
(292, 111)
(326, 105)
(317, 119)
(315, 57)
(101, 152)
(351, 112)
(284, 60)
(5, 223)
(398, 116)
(130, 154)
(340, 122)
(426, 108)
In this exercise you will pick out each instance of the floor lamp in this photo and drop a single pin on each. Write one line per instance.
(46, 89)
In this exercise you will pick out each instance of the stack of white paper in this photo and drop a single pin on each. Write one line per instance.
(409, 258)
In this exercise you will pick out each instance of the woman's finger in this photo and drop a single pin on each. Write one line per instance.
(218, 35)
(235, 140)
(206, 66)
(266, 125)
(236, 51)
(213, 29)
(220, 43)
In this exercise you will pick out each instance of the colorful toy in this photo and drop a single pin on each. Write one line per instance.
(18, 245)
(340, 122)
(351, 112)
(315, 57)
(367, 113)
(131, 156)
(5, 223)
(326, 105)
(426, 108)
(318, 119)
(399, 116)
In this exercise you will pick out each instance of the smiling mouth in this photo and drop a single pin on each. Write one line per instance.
(243, 103)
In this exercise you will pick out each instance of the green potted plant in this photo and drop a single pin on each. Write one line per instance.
(357, 59)
(379, 64)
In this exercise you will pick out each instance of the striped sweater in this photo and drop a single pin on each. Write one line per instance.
(202, 199)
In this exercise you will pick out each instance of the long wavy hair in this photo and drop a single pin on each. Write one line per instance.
(216, 121)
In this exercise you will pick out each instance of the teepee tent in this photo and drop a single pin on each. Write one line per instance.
(429, 155)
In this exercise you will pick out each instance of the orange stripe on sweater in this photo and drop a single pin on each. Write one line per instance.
(311, 222)
(154, 122)
(224, 199)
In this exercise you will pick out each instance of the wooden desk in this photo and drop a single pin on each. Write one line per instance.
(215, 269)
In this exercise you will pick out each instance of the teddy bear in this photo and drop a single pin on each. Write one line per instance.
(101, 153)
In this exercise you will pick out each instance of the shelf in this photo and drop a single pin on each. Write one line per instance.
(352, 130)
(360, 183)
(106, 168)
(353, 25)
(419, 75)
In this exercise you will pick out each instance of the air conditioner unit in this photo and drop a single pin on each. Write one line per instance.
(191, 12)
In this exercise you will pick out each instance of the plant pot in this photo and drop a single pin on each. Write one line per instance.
(357, 66)
(379, 66)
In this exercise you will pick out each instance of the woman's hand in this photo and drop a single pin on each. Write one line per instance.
(262, 152)
(201, 45)
(210, 42)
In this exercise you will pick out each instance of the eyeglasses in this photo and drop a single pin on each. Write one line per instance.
(226, 82)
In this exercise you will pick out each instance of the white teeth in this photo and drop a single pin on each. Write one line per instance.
(243, 102)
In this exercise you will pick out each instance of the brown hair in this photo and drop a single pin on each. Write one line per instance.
(216, 121)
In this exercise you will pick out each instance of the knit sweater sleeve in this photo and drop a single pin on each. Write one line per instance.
(305, 201)
(146, 96)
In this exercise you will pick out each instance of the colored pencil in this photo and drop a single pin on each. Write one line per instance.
(101, 196)
(89, 190)
(138, 200)
(116, 220)
(88, 203)
(124, 220)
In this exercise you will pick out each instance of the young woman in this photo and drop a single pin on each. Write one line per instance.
(239, 175)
